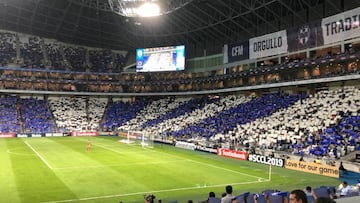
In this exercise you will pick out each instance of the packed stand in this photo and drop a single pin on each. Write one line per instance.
(36, 117)
(323, 124)
(54, 56)
(100, 60)
(31, 52)
(119, 112)
(96, 108)
(119, 62)
(75, 58)
(226, 120)
(171, 110)
(7, 48)
(73, 113)
(193, 112)
(9, 117)
(152, 111)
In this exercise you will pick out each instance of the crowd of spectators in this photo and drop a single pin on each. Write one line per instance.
(47, 54)
(9, 117)
(281, 122)
(36, 116)
(322, 194)
(323, 124)
(72, 60)
(7, 48)
(31, 52)
(77, 113)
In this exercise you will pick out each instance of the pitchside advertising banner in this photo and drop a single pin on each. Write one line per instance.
(342, 26)
(232, 153)
(185, 145)
(268, 45)
(266, 160)
(84, 134)
(310, 167)
(7, 135)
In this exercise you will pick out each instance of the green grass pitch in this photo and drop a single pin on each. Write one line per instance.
(55, 170)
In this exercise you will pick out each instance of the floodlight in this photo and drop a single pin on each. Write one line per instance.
(148, 10)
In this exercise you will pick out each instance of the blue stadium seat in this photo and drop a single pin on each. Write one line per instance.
(261, 199)
(242, 197)
(276, 198)
(250, 198)
(214, 200)
(322, 192)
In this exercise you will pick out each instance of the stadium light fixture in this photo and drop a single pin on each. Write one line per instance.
(134, 8)
(148, 9)
(145, 8)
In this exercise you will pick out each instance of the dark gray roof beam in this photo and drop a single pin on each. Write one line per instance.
(253, 10)
(63, 17)
(207, 31)
(230, 19)
(34, 12)
(308, 6)
(250, 8)
(335, 7)
(193, 36)
(234, 21)
(181, 24)
(277, 16)
(214, 21)
(301, 18)
(66, 33)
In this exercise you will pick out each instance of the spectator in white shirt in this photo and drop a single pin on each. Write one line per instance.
(344, 189)
(228, 197)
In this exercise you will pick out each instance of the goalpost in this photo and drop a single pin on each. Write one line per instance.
(138, 138)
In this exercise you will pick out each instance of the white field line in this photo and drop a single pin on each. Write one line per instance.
(225, 169)
(155, 191)
(39, 155)
(19, 154)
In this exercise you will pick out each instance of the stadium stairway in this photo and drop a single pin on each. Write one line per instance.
(349, 199)
(350, 176)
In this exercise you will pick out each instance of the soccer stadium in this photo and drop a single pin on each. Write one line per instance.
(179, 101)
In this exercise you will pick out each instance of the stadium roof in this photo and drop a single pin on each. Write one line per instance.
(199, 24)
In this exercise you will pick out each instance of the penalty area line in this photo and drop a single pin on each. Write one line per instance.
(156, 191)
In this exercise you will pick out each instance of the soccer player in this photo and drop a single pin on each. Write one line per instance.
(88, 145)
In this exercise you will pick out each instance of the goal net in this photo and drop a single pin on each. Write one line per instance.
(137, 138)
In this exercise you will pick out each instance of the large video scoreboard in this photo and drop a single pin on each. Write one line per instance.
(158, 59)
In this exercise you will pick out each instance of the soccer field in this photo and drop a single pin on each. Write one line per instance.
(61, 170)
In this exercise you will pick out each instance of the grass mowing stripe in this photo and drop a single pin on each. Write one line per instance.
(8, 186)
(155, 191)
(34, 181)
(198, 162)
(39, 155)
(114, 171)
